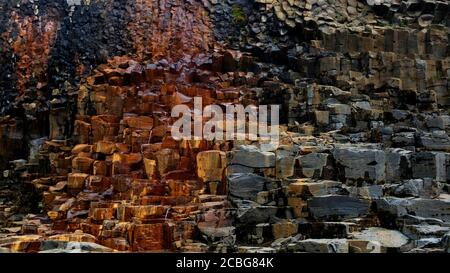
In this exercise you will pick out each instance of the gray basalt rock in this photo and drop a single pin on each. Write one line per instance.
(430, 208)
(250, 213)
(425, 188)
(390, 239)
(337, 207)
(398, 164)
(429, 165)
(320, 246)
(247, 186)
(246, 158)
(312, 164)
(356, 163)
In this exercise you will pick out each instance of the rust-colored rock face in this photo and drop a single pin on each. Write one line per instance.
(170, 30)
(127, 170)
(87, 152)
(32, 48)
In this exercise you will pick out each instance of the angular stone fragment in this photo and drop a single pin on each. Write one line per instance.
(141, 123)
(435, 141)
(321, 246)
(248, 215)
(363, 246)
(248, 158)
(122, 163)
(327, 229)
(167, 160)
(418, 232)
(81, 148)
(76, 181)
(214, 234)
(73, 247)
(337, 207)
(361, 164)
(426, 188)
(429, 165)
(105, 147)
(299, 207)
(150, 168)
(82, 164)
(285, 160)
(211, 165)
(284, 229)
(306, 188)
(368, 192)
(312, 164)
(398, 164)
(387, 238)
(247, 186)
(148, 237)
(446, 242)
(430, 208)
(104, 127)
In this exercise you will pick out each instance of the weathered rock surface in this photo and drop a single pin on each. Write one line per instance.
(88, 162)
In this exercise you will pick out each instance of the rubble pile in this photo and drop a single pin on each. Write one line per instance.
(89, 163)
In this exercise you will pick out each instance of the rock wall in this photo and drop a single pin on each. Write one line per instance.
(86, 91)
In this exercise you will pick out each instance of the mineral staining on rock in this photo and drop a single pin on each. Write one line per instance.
(88, 163)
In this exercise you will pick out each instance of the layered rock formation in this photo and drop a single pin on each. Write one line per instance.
(89, 163)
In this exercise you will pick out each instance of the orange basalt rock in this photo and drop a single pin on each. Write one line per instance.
(139, 123)
(76, 181)
(125, 181)
(211, 165)
(82, 164)
(104, 127)
(147, 237)
(32, 47)
(179, 29)
(105, 147)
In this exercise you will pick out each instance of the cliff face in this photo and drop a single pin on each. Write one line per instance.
(86, 92)
(49, 48)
